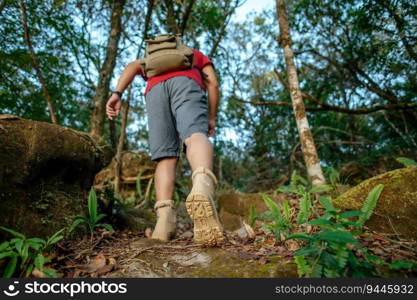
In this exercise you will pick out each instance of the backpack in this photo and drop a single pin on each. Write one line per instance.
(166, 53)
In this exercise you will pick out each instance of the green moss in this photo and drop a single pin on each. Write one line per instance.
(396, 210)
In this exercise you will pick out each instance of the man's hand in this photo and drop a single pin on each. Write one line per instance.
(212, 124)
(113, 106)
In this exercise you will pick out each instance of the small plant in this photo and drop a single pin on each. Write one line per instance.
(406, 162)
(92, 220)
(26, 254)
(330, 252)
(333, 176)
(300, 186)
(278, 216)
(252, 215)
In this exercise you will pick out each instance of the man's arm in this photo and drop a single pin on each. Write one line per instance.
(113, 104)
(210, 81)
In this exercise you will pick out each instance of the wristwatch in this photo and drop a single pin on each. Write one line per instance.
(120, 94)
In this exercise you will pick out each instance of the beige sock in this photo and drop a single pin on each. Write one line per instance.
(208, 230)
(166, 220)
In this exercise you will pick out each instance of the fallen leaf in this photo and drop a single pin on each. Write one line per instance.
(96, 263)
(249, 230)
(241, 233)
(104, 270)
(38, 273)
(112, 261)
(292, 245)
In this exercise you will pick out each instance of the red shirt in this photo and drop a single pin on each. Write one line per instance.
(199, 62)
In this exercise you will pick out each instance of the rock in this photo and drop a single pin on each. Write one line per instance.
(396, 209)
(200, 263)
(46, 171)
(133, 163)
(234, 208)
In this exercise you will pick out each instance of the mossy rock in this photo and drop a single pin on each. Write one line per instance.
(235, 207)
(396, 210)
(46, 171)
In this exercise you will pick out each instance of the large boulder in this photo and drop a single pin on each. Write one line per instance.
(396, 210)
(46, 171)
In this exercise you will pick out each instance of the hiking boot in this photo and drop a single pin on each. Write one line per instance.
(208, 230)
(166, 219)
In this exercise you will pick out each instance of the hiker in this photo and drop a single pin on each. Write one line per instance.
(178, 112)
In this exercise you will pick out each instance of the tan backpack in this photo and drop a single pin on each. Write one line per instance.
(166, 53)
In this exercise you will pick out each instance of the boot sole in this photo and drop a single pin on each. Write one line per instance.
(208, 231)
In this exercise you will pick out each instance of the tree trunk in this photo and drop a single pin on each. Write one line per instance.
(36, 64)
(106, 71)
(306, 138)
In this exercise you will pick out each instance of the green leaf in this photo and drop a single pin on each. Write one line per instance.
(92, 205)
(300, 235)
(286, 210)
(14, 233)
(320, 222)
(321, 188)
(106, 226)
(11, 267)
(18, 245)
(100, 216)
(37, 241)
(305, 209)
(295, 179)
(327, 204)
(252, 215)
(76, 223)
(272, 206)
(56, 237)
(351, 213)
(402, 264)
(302, 266)
(4, 246)
(50, 273)
(406, 162)
(337, 236)
(7, 254)
(309, 251)
(370, 204)
(317, 271)
(39, 261)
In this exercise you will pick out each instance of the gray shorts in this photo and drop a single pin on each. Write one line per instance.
(176, 108)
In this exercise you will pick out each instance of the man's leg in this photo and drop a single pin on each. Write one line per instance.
(165, 178)
(164, 206)
(199, 151)
(200, 202)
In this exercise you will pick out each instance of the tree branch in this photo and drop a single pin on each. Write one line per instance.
(36, 64)
(186, 16)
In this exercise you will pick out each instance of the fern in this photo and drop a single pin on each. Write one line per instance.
(341, 256)
(370, 204)
(305, 209)
(317, 271)
(302, 266)
(330, 273)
